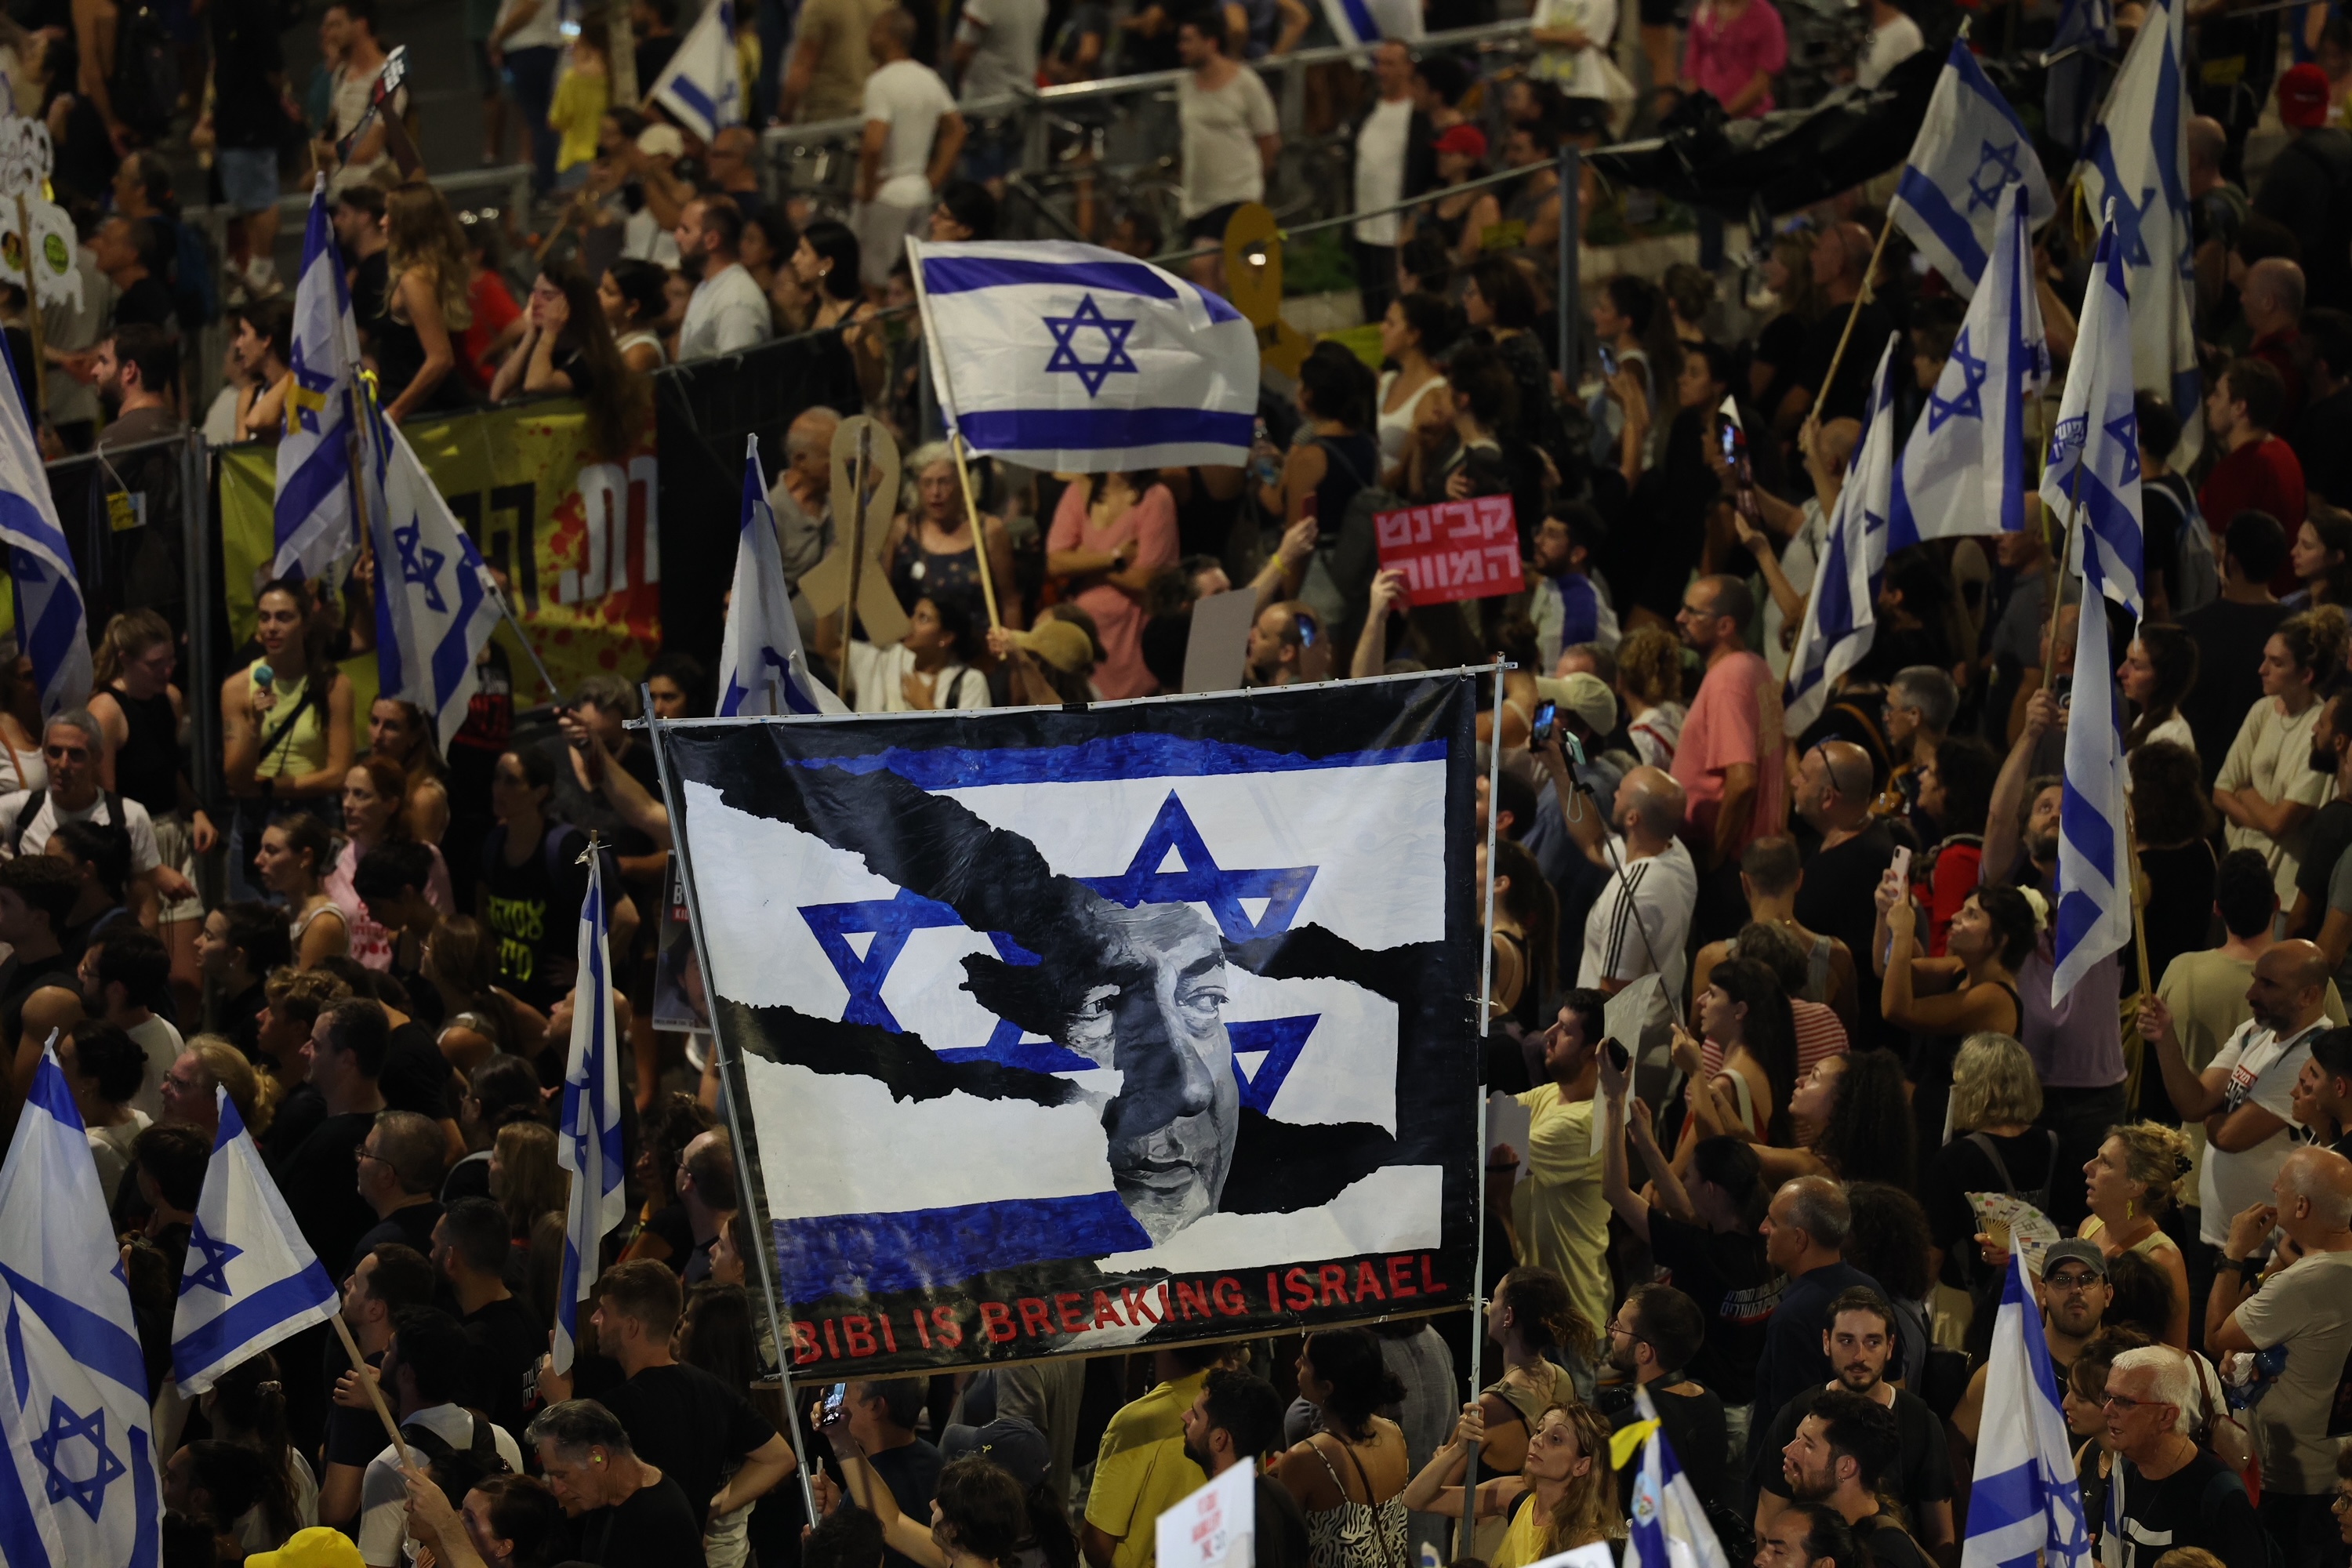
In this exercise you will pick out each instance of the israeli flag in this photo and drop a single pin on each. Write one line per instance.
(1841, 613)
(1670, 1527)
(589, 1140)
(1969, 147)
(250, 1279)
(701, 87)
(762, 668)
(2027, 1503)
(52, 627)
(436, 604)
(1359, 23)
(2092, 476)
(2138, 159)
(2095, 912)
(81, 1484)
(1963, 470)
(318, 531)
(1072, 359)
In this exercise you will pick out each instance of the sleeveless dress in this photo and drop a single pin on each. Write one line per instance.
(919, 573)
(1355, 1534)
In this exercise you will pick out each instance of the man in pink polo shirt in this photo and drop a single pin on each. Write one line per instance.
(1730, 760)
(1735, 49)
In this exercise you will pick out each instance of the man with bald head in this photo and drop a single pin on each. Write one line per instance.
(1640, 922)
(2301, 1302)
(1840, 263)
(2271, 299)
(1730, 760)
(1833, 795)
(2246, 1095)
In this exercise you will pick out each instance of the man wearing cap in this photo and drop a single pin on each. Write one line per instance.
(2304, 187)
(317, 1547)
(1236, 1418)
(2074, 1293)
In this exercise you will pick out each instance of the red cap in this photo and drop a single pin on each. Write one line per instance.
(2302, 97)
(1469, 139)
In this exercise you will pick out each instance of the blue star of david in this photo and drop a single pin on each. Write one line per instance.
(307, 396)
(2001, 158)
(2123, 430)
(1065, 356)
(421, 565)
(1970, 404)
(2129, 218)
(891, 921)
(1202, 880)
(212, 1276)
(90, 1493)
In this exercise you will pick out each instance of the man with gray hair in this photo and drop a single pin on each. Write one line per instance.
(400, 1169)
(1920, 703)
(73, 745)
(2301, 1305)
(1804, 1232)
(619, 1511)
(801, 499)
(2166, 1492)
(1730, 760)
(1640, 922)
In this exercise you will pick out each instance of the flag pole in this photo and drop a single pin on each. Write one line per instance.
(366, 1375)
(2138, 899)
(856, 559)
(765, 1252)
(955, 438)
(1478, 1077)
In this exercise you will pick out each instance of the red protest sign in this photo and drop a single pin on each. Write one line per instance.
(1454, 550)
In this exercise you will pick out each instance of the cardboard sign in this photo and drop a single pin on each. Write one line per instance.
(1454, 550)
(1216, 1526)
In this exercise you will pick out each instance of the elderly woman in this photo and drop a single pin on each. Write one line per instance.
(208, 1063)
(932, 548)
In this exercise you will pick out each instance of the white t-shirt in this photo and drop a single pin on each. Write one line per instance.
(877, 677)
(1647, 911)
(302, 1488)
(1889, 47)
(1221, 132)
(162, 1046)
(2261, 1067)
(727, 314)
(384, 1491)
(1006, 33)
(1577, 73)
(543, 31)
(2308, 1309)
(36, 837)
(910, 98)
(110, 1147)
(2272, 756)
(1379, 172)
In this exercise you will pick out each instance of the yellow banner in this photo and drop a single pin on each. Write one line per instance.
(578, 543)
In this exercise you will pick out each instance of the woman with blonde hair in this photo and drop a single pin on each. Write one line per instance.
(1995, 1147)
(1566, 1468)
(1650, 680)
(209, 1062)
(425, 308)
(2138, 1176)
(399, 731)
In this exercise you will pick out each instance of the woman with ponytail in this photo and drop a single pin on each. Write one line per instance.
(246, 1406)
(2268, 791)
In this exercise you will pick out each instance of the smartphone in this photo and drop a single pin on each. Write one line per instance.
(1607, 361)
(1620, 1058)
(1547, 725)
(1902, 864)
(833, 1403)
(1307, 630)
(1729, 435)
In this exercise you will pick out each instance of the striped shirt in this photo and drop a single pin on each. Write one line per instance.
(1645, 911)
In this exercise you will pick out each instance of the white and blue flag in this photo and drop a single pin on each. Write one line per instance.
(250, 1279)
(82, 1485)
(589, 1138)
(1669, 1522)
(1841, 613)
(435, 603)
(2092, 476)
(1971, 146)
(1072, 359)
(1358, 23)
(2026, 1507)
(702, 87)
(761, 666)
(317, 528)
(2095, 910)
(52, 627)
(2138, 159)
(1963, 470)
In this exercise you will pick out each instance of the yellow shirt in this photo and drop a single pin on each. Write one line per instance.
(580, 98)
(1563, 1219)
(1529, 1540)
(1141, 1470)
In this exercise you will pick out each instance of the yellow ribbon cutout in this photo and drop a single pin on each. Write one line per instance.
(1622, 1446)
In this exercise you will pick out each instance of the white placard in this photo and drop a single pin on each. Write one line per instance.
(1596, 1555)
(1216, 1526)
(1508, 1122)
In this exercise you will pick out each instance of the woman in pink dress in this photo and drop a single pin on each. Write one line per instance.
(1111, 533)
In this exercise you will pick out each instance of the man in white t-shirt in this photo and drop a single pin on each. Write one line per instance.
(120, 974)
(2246, 1097)
(728, 312)
(1893, 39)
(913, 136)
(1640, 922)
(995, 54)
(1231, 137)
(424, 1374)
(1384, 143)
(72, 744)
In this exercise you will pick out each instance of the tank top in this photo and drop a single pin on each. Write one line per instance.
(1350, 462)
(147, 767)
(302, 749)
(1355, 1534)
(1396, 429)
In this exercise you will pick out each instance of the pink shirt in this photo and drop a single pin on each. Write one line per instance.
(1723, 54)
(1118, 615)
(371, 943)
(1735, 719)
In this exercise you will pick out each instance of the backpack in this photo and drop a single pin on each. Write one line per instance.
(1337, 585)
(39, 798)
(146, 85)
(483, 1450)
(2197, 573)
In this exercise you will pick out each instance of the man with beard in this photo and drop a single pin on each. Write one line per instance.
(1652, 1339)
(1236, 1417)
(2074, 1294)
(1838, 1453)
(1916, 1466)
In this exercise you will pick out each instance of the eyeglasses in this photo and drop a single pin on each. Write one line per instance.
(1617, 1326)
(364, 1152)
(65, 753)
(2125, 1402)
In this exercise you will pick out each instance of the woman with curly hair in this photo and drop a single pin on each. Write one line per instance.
(2131, 1183)
(2158, 672)
(2267, 791)
(1851, 1117)
(1535, 1321)
(1566, 1467)
(428, 304)
(1650, 680)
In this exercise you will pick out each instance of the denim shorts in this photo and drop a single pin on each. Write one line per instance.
(248, 177)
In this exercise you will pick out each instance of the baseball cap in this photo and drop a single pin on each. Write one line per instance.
(317, 1547)
(2302, 97)
(661, 141)
(1062, 643)
(2075, 1249)
(1584, 694)
(1471, 140)
(1008, 1441)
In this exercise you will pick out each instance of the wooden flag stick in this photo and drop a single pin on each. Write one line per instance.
(2138, 899)
(367, 1381)
(1860, 298)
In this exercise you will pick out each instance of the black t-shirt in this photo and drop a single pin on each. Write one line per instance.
(653, 57)
(1960, 1168)
(245, 55)
(1836, 899)
(297, 1117)
(1851, 396)
(509, 1339)
(593, 810)
(1724, 1272)
(655, 1526)
(145, 303)
(1281, 1540)
(410, 1227)
(2229, 639)
(2200, 1504)
(370, 279)
(354, 1436)
(691, 1425)
(321, 1180)
(671, 1224)
(1694, 1426)
(240, 1020)
(534, 911)
(912, 1474)
(1889, 1544)
(415, 1074)
(1781, 346)
(1923, 1475)
(1793, 1360)
(2165, 503)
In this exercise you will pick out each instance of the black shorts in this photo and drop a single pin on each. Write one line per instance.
(1209, 228)
(1662, 12)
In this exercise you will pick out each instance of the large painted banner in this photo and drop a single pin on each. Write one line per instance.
(1064, 1031)
(579, 542)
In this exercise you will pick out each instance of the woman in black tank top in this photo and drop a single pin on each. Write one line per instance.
(1942, 1001)
(1337, 395)
(137, 706)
